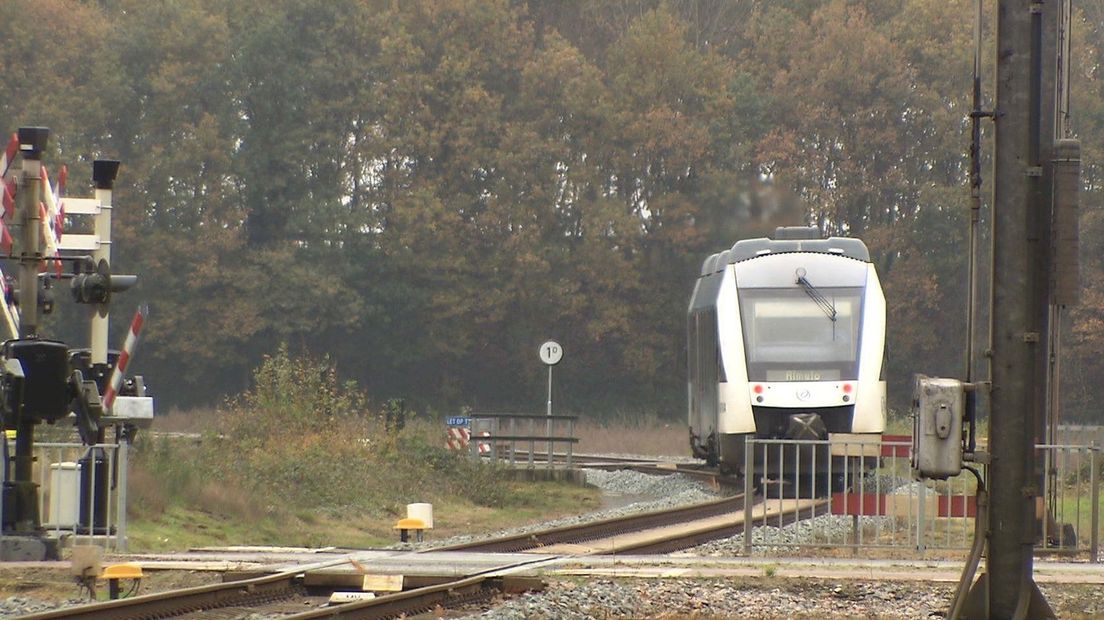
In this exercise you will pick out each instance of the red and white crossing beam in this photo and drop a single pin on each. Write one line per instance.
(124, 357)
(7, 190)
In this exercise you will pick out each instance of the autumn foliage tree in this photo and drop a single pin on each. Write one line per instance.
(426, 190)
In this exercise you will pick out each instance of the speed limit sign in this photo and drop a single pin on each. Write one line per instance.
(551, 353)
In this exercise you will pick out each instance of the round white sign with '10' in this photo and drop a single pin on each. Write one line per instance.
(551, 353)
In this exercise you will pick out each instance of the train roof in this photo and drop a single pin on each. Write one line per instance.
(798, 239)
(707, 265)
(841, 246)
(786, 239)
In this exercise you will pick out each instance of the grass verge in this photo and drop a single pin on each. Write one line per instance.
(301, 460)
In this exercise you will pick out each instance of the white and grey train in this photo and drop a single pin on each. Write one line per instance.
(785, 341)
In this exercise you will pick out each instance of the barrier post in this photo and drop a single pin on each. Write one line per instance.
(1094, 483)
(855, 534)
(749, 473)
(513, 443)
(121, 462)
(862, 496)
(570, 444)
(1049, 494)
(532, 444)
(495, 425)
(473, 445)
(921, 515)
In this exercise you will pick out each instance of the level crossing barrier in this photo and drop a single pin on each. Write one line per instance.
(82, 495)
(498, 436)
(457, 438)
(872, 501)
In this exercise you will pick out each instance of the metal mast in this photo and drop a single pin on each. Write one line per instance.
(32, 142)
(1018, 202)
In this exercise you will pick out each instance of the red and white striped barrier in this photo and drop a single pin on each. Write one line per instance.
(49, 210)
(51, 229)
(458, 438)
(124, 358)
(10, 313)
(8, 156)
(7, 191)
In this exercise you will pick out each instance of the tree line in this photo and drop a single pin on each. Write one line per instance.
(427, 190)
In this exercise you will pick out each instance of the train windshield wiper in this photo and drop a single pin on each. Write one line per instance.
(814, 293)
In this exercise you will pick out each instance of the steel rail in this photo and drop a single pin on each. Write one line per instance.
(481, 587)
(284, 586)
(280, 587)
(412, 602)
(579, 459)
(288, 584)
(645, 465)
(600, 529)
(703, 474)
(694, 538)
(254, 591)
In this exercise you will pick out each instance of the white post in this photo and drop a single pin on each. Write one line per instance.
(550, 416)
(550, 353)
(549, 391)
(99, 336)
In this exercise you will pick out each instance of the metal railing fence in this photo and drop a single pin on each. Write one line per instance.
(82, 492)
(500, 434)
(871, 499)
(1071, 496)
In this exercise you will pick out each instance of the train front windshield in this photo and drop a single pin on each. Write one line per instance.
(789, 335)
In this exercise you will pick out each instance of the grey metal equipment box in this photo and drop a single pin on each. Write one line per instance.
(939, 407)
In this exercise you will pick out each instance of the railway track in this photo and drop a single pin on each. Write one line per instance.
(284, 594)
(659, 467)
(607, 528)
(583, 459)
(292, 595)
(253, 593)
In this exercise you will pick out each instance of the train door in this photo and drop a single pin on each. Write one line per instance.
(707, 385)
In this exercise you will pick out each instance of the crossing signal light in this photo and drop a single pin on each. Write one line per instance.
(97, 286)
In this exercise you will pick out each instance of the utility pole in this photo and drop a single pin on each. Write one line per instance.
(1008, 589)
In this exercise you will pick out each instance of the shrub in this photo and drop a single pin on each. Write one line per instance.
(291, 396)
(300, 441)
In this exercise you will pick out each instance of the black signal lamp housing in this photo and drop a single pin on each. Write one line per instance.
(104, 172)
(32, 141)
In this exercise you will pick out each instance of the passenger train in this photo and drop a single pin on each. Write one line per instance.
(786, 337)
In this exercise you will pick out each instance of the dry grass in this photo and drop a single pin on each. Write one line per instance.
(147, 497)
(648, 437)
(191, 421)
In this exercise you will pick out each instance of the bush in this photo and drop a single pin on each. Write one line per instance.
(301, 441)
(291, 396)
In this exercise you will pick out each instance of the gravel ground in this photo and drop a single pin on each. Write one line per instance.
(772, 540)
(16, 606)
(765, 598)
